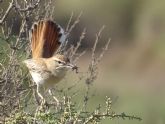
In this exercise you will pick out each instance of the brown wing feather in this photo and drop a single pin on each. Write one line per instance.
(45, 37)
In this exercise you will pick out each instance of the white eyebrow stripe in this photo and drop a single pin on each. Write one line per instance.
(56, 59)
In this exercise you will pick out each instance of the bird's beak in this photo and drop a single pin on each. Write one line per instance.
(73, 67)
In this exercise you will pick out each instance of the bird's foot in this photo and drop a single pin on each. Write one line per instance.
(43, 106)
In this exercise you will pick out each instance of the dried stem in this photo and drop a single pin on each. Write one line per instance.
(11, 5)
(70, 28)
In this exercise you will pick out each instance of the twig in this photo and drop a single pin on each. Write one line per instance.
(78, 43)
(74, 24)
(99, 116)
(69, 22)
(28, 8)
(11, 5)
(98, 35)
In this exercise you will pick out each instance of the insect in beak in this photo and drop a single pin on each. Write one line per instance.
(73, 67)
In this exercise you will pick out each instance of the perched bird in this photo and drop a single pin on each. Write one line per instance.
(46, 67)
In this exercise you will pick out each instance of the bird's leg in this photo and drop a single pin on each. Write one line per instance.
(35, 94)
(57, 101)
(40, 92)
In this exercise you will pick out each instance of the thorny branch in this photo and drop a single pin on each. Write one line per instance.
(71, 27)
(71, 52)
(29, 7)
(93, 65)
(14, 4)
(11, 5)
(14, 79)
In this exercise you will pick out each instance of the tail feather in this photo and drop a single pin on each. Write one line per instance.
(45, 38)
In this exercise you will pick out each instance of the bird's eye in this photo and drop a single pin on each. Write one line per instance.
(59, 62)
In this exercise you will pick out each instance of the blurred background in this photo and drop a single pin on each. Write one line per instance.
(134, 66)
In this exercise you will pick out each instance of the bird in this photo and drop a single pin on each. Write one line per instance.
(47, 67)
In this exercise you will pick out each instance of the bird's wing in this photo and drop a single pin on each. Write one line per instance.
(46, 37)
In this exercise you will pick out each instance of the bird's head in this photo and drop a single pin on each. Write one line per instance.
(63, 62)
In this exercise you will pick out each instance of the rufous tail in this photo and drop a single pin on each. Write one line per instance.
(45, 38)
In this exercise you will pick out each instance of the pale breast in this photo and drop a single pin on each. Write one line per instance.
(48, 80)
(42, 75)
(37, 77)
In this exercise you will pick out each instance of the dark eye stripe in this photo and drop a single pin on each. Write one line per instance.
(60, 62)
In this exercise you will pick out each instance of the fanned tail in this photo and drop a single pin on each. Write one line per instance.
(46, 37)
